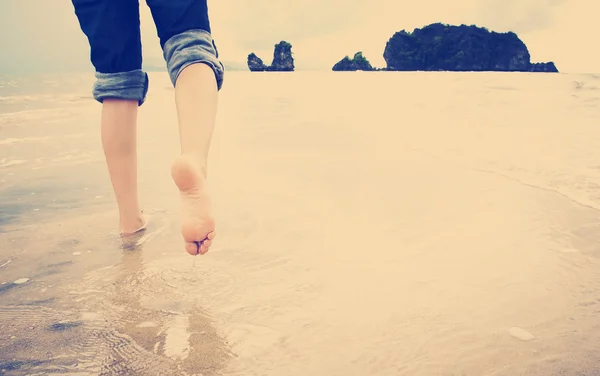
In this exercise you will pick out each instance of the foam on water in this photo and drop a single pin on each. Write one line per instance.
(20, 118)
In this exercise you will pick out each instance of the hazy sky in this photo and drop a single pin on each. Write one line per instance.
(45, 35)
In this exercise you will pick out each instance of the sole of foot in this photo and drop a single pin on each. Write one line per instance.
(197, 222)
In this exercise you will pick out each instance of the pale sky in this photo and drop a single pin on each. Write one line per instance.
(44, 35)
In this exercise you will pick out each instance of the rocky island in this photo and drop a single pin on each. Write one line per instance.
(440, 47)
(359, 62)
(283, 61)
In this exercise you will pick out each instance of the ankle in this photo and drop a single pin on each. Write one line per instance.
(131, 222)
(196, 161)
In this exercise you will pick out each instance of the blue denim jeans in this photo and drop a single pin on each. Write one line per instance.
(113, 31)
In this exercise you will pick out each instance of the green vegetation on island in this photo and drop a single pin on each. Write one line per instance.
(435, 47)
(440, 47)
(283, 60)
(359, 62)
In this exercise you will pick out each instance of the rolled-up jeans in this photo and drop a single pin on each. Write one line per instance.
(113, 31)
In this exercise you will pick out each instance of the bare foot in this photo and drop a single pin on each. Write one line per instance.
(197, 222)
(133, 226)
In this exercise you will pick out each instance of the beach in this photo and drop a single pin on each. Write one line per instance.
(369, 223)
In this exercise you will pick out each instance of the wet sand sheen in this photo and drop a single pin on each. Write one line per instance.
(439, 240)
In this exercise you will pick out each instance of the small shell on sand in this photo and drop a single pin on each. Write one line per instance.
(20, 281)
(520, 334)
(76, 253)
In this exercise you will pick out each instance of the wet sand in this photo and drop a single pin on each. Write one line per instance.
(368, 224)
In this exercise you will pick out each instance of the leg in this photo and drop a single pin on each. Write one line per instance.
(196, 100)
(197, 75)
(119, 120)
(113, 32)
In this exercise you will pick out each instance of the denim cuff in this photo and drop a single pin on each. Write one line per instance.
(131, 85)
(190, 47)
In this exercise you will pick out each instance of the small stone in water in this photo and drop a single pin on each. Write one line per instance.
(147, 324)
(20, 281)
(521, 334)
(89, 316)
(570, 250)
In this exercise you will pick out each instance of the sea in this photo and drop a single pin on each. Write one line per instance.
(368, 224)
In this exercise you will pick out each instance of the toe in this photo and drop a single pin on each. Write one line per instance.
(211, 235)
(204, 247)
(192, 248)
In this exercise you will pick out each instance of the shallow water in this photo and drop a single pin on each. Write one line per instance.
(368, 224)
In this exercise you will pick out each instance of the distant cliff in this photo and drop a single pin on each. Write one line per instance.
(359, 62)
(459, 48)
(283, 60)
(255, 63)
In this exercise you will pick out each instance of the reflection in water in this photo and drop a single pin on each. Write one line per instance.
(185, 340)
(103, 323)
